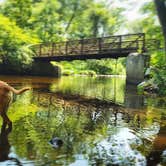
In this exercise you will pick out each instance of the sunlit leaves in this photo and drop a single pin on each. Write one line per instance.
(14, 44)
(45, 20)
(17, 10)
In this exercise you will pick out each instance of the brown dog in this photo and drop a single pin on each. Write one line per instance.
(6, 97)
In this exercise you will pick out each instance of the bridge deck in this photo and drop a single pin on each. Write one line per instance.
(94, 48)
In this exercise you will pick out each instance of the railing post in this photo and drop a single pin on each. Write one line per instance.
(52, 50)
(40, 49)
(82, 46)
(66, 49)
(144, 42)
(100, 46)
(120, 43)
(137, 45)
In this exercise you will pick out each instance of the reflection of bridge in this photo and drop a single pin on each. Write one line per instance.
(54, 99)
(92, 106)
(94, 48)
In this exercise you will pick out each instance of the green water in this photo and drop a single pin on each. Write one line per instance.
(81, 112)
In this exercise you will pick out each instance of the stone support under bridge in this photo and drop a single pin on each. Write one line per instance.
(41, 68)
(135, 65)
(38, 68)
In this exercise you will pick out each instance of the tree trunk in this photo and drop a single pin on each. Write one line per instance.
(72, 17)
(161, 10)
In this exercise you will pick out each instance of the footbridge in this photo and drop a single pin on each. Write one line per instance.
(131, 46)
(93, 48)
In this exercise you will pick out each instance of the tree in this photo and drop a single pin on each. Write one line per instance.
(83, 18)
(17, 10)
(45, 21)
(161, 9)
(152, 28)
(14, 44)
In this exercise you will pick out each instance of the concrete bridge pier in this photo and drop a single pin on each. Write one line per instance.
(135, 64)
(42, 68)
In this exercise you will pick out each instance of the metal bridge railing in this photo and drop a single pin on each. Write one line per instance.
(104, 45)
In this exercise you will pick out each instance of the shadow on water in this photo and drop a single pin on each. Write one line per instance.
(80, 112)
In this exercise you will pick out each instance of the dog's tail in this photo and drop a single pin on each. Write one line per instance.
(10, 88)
(19, 91)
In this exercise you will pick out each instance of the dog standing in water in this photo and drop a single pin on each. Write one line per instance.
(6, 92)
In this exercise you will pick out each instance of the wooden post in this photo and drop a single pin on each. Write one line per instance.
(120, 43)
(66, 49)
(52, 50)
(82, 46)
(100, 46)
(144, 42)
(40, 49)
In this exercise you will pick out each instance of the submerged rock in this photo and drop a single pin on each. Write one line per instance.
(56, 142)
(163, 156)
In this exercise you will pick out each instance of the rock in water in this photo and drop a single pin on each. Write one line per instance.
(56, 142)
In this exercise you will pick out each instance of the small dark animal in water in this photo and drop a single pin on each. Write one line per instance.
(56, 142)
(6, 92)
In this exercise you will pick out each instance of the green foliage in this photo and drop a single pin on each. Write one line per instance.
(12, 35)
(87, 72)
(159, 73)
(14, 44)
(22, 57)
(54, 20)
(152, 28)
(18, 11)
(45, 21)
(67, 72)
(93, 67)
(100, 20)
(159, 78)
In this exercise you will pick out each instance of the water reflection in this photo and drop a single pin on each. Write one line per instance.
(94, 130)
(97, 130)
(132, 99)
(104, 88)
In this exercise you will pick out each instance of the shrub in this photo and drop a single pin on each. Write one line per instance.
(14, 45)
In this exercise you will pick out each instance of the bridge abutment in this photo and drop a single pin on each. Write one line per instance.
(41, 68)
(135, 64)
